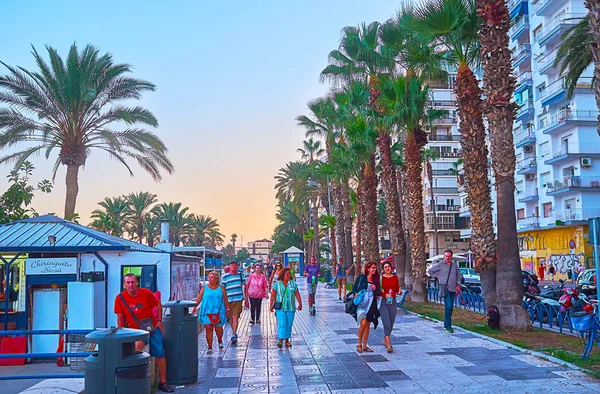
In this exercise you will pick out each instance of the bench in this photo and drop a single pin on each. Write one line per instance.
(331, 284)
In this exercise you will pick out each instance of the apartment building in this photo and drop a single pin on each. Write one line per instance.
(260, 249)
(557, 145)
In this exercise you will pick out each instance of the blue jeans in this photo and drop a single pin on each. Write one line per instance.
(284, 323)
(448, 306)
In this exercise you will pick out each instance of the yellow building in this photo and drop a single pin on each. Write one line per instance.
(562, 247)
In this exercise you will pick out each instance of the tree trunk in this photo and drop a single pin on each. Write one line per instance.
(340, 240)
(499, 85)
(475, 162)
(370, 214)
(316, 241)
(414, 198)
(72, 185)
(359, 230)
(389, 184)
(140, 232)
(347, 221)
(406, 226)
(401, 265)
(435, 223)
(593, 7)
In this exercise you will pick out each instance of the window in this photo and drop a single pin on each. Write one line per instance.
(545, 178)
(547, 207)
(544, 149)
(520, 214)
(543, 122)
(539, 90)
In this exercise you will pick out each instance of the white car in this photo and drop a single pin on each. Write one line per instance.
(470, 276)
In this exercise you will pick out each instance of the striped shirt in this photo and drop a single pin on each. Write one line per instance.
(233, 287)
(286, 295)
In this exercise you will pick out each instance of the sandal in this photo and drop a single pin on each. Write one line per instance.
(280, 344)
(390, 349)
(288, 344)
(367, 349)
(359, 348)
(220, 345)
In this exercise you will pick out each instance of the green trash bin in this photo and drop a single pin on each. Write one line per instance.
(180, 339)
(117, 367)
(327, 276)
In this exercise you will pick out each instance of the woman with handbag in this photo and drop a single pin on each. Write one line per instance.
(256, 290)
(367, 311)
(388, 309)
(275, 274)
(282, 302)
(213, 304)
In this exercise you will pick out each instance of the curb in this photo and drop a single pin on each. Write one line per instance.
(514, 347)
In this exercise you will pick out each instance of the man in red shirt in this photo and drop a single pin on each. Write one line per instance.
(141, 302)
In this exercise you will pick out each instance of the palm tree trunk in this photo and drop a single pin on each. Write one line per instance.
(402, 263)
(316, 242)
(435, 223)
(340, 241)
(359, 229)
(594, 25)
(370, 214)
(72, 185)
(475, 161)
(347, 221)
(140, 232)
(414, 197)
(499, 84)
(389, 183)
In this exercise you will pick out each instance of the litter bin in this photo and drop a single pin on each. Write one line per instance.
(327, 276)
(570, 274)
(180, 339)
(117, 367)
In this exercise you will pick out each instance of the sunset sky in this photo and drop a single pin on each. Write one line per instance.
(231, 78)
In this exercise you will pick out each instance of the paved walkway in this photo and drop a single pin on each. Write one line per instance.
(323, 359)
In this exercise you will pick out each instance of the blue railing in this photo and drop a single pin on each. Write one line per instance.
(44, 355)
(544, 315)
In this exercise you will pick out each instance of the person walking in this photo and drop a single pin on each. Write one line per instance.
(234, 287)
(551, 271)
(389, 308)
(341, 274)
(256, 290)
(133, 308)
(213, 306)
(449, 284)
(285, 290)
(275, 274)
(312, 278)
(368, 285)
(541, 271)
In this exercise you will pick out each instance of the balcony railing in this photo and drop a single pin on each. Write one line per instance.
(527, 163)
(531, 221)
(442, 103)
(573, 181)
(441, 84)
(550, 28)
(440, 226)
(529, 192)
(446, 120)
(464, 209)
(442, 190)
(547, 60)
(521, 50)
(466, 233)
(450, 155)
(443, 137)
(520, 24)
(576, 214)
(582, 83)
(541, 4)
(442, 208)
(524, 77)
(443, 173)
(524, 107)
(568, 114)
(513, 3)
(524, 135)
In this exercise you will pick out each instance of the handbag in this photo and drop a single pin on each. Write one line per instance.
(443, 290)
(146, 324)
(278, 304)
(214, 318)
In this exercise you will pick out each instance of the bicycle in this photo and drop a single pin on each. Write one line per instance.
(587, 324)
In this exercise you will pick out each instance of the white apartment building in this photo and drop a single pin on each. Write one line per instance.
(556, 140)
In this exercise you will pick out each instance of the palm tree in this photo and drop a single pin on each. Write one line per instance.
(139, 205)
(233, 239)
(578, 50)
(451, 26)
(430, 155)
(215, 238)
(112, 217)
(179, 221)
(201, 227)
(152, 226)
(310, 151)
(504, 277)
(72, 105)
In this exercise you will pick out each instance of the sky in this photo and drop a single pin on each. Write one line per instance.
(231, 78)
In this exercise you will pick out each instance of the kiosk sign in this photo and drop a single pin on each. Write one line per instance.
(51, 266)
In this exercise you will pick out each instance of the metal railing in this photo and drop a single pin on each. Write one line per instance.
(446, 120)
(562, 19)
(531, 221)
(44, 355)
(573, 181)
(524, 135)
(443, 137)
(442, 103)
(568, 114)
(519, 24)
(527, 163)
(576, 214)
(582, 83)
(443, 173)
(524, 77)
(529, 192)
(540, 4)
(521, 50)
(547, 60)
(442, 190)
(441, 226)
(441, 208)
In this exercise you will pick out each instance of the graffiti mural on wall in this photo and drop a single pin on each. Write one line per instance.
(564, 262)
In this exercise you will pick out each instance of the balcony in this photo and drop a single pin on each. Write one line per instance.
(450, 155)
(442, 103)
(527, 166)
(444, 172)
(465, 233)
(442, 190)
(573, 183)
(557, 90)
(566, 153)
(525, 111)
(568, 216)
(445, 120)
(523, 81)
(464, 211)
(442, 208)
(520, 54)
(556, 27)
(546, 7)
(525, 137)
(566, 118)
(443, 137)
(514, 6)
(530, 194)
(440, 84)
(530, 222)
(440, 226)
(519, 27)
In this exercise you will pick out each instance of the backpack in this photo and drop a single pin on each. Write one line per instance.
(493, 315)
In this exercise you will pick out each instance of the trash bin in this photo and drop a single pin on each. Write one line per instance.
(327, 276)
(117, 367)
(180, 339)
(570, 274)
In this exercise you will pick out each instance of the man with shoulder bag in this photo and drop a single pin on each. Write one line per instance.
(134, 308)
(449, 284)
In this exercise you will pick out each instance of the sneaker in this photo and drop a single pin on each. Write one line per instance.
(339, 298)
(251, 321)
(221, 346)
(165, 388)
(209, 351)
(234, 339)
(258, 321)
(450, 330)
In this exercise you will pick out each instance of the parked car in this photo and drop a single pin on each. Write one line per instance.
(586, 282)
(469, 276)
(434, 282)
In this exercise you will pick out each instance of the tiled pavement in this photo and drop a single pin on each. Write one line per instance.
(323, 359)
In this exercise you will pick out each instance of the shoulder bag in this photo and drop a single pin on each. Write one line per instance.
(444, 289)
(145, 324)
(278, 304)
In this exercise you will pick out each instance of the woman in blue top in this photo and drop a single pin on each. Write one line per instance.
(284, 291)
(213, 304)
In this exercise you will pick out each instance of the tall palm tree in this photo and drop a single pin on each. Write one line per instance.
(201, 228)
(139, 205)
(452, 26)
(152, 226)
(72, 105)
(113, 216)
(233, 239)
(179, 221)
(504, 277)
(310, 151)
(215, 238)
(430, 155)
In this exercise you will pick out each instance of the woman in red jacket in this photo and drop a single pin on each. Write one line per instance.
(388, 309)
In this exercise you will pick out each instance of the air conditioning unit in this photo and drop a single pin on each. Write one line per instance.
(530, 177)
(528, 149)
(586, 162)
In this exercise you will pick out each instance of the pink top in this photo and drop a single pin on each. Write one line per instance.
(257, 286)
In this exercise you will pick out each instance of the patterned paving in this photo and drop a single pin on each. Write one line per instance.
(323, 359)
